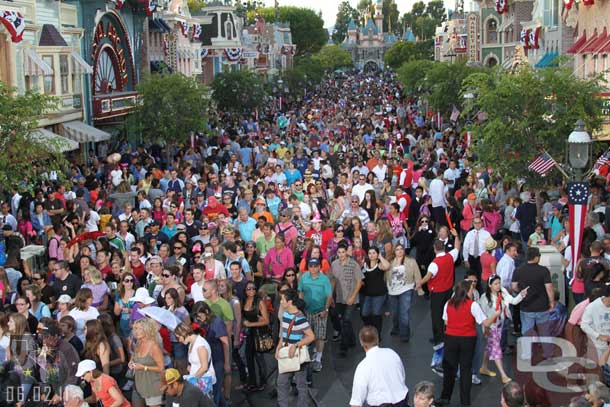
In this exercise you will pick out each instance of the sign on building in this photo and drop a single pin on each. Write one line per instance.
(474, 29)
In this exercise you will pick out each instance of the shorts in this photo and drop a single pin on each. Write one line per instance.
(318, 325)
(149, 401)
(179, 351)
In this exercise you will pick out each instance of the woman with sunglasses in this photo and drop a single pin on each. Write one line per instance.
(169, 279)
(123, 304)
(422, 238)
(497, 298)
(255, 317)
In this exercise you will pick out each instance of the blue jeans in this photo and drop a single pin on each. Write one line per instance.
(400, 307)
(536, 324)
(373, 305)
(478, 351)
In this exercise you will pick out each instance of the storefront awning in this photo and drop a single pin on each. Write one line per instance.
(547, 60)
(55, 142)
(579, 43)
(158, 24)
(81, 65)
(83, 133)
(34, 65)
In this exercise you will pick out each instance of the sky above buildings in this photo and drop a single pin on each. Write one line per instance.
(329, 7)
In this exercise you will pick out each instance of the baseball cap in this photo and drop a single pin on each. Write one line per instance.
(172, 375)
(313, 262)
(85, 366)
(64, 299)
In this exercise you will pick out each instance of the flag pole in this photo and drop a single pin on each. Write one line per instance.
(561, 170)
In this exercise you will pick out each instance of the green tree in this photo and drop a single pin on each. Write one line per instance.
(238, 91)
(170, 107)
(195, 5)
(22, 149)
(332, 57)
(412, 75)
(391, 16)
(404, 51)
(243, 9)
(444, 81)
(305, 73)
(528, 111)
(306, 26)
(436, 10)
(366, 9)
(345, 13)
(424, 27)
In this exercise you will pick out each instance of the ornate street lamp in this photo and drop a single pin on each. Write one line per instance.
(579, 146)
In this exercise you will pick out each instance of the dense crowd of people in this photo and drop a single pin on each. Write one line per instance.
(175, 275)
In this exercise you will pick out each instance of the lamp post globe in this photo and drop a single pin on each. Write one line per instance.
(579, 144)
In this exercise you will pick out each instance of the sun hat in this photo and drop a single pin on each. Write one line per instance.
(143, 296)
(85, 366)
(490, 243)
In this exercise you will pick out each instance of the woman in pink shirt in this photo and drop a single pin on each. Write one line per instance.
(278, 259)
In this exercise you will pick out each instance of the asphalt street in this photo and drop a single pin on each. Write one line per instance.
(332, 386)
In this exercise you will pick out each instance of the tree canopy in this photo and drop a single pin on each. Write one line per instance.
(238, 91)
(332, 57)
(170, 107)
(528, 111)
(345, 13)
(404, 51)
(423, 19)
(306, 26)
(20, 145)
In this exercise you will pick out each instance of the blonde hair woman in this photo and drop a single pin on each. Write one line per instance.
(147, 364)
(401, 278)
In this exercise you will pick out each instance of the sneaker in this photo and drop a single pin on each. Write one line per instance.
(438, 371)
(475, 379)
(316, 366)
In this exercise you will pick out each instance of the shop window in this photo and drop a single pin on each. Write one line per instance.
(49, 80)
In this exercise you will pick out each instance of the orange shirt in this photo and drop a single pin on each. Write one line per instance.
(104, 394)
(267, 215)
(324, 267)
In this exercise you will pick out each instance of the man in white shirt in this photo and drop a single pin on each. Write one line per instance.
(381, 169)
(380, 377)
(474, 247)
(506, 265)
(361, 187)
(451, 174)
(439, 203)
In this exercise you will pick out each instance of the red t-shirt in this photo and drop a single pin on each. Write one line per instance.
(104, 396)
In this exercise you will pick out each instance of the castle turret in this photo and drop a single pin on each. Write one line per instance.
(379, 15)
(352, 32)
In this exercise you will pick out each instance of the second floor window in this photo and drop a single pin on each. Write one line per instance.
(49, 80)
(64, 72)
(492, 31)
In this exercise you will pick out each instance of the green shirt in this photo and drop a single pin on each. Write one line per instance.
(315, 291)
(222, 309)
(263, 245)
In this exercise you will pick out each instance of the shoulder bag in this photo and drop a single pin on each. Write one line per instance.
(287, 364)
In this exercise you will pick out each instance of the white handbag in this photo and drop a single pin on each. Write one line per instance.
(287, 364)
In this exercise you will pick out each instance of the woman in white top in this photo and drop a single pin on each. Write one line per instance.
(401, 278)
(201, 371)
(4, 336)
(496, 299)
(83, 311)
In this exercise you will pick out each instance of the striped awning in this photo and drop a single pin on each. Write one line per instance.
(34, 65)
(83, 133)
(81, 65)
(55, 142)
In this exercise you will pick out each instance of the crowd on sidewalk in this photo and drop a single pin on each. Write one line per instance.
(171, 272)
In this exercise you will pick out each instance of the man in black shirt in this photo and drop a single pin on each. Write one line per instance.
(540, 300)
(65, 282)
(179, 393)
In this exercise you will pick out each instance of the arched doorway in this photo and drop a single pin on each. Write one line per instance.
(371, 66)
(492, 61)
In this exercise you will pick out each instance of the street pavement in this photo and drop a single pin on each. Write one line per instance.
(332, 386)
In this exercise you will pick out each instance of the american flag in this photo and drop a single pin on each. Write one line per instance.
(542, 164)
(455, 113)
(602, 160)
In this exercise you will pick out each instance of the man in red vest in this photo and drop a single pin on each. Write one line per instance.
(440, 278)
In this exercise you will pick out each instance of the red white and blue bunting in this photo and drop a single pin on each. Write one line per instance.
(151, 7)
(263, 49)
(14, 23)
(502, 6)
(524, 38)
(204, 52)
(532, 38)
(197, 30)
(184, 27)
(118, 4)
(233, 54)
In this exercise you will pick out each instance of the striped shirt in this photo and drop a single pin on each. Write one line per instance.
(300, 326)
